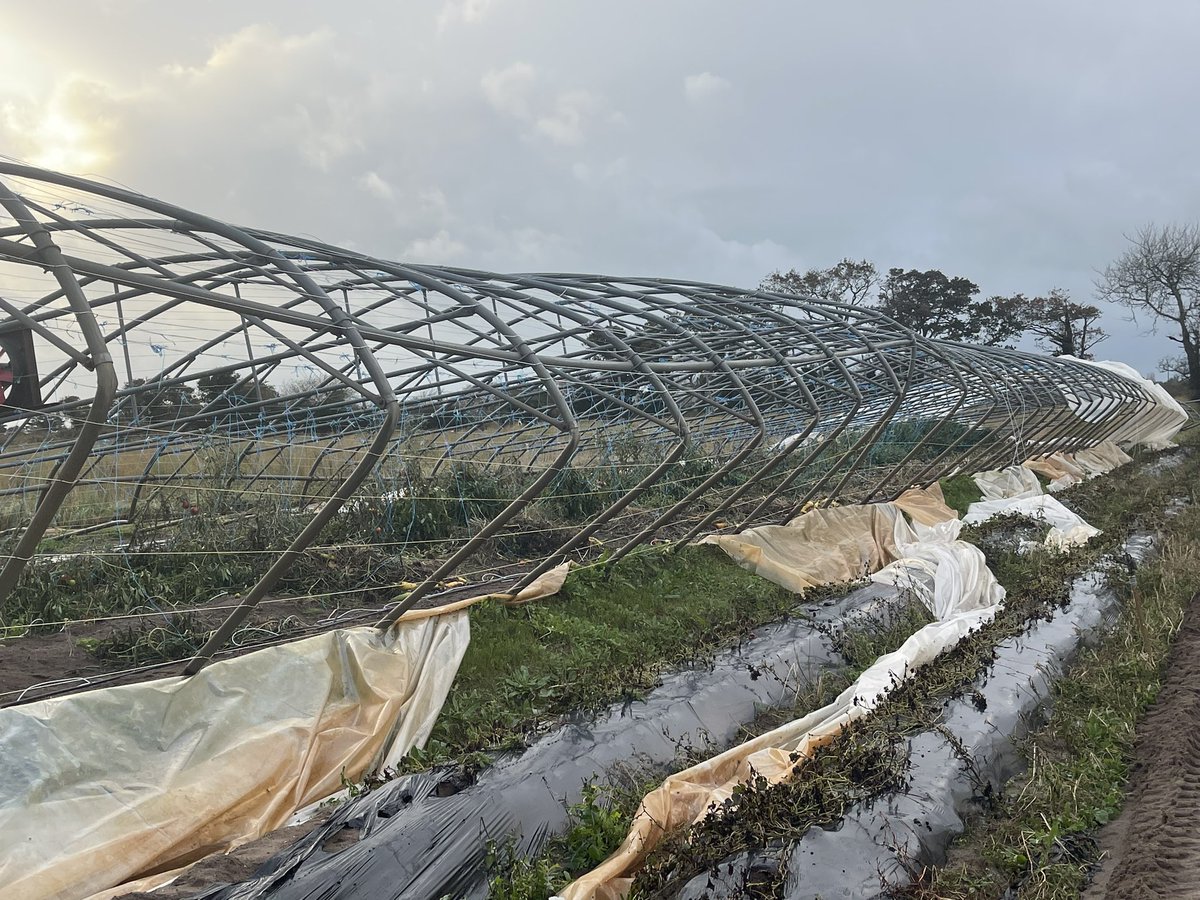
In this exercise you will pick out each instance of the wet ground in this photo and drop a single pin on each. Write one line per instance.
(1152, 849)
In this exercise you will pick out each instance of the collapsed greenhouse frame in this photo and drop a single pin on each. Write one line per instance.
(540, 375)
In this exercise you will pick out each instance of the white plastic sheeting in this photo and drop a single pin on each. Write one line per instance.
(112, 784)
(1066, 528)
(961, 580)
(1101, 459)
(1008, 492)
(1062, 470)
(1157, 424)
(1003, 484)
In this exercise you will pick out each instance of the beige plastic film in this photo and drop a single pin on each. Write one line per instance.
(119, 783)
(823, 546)
(419, 661)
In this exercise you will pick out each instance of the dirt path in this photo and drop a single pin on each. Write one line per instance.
(1153, 848)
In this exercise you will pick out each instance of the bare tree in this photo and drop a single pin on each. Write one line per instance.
(847, 282)
(1160, 274)
(1062, 326)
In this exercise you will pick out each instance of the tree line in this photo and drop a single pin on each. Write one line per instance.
(1157, 279)
(936, 305)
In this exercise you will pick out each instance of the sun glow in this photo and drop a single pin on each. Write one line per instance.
(50, 117)
(62, 142)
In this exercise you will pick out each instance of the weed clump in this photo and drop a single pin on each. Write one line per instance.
(597, 824)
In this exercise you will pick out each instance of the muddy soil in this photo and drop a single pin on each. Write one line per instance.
(45, 664)
(1152, 849)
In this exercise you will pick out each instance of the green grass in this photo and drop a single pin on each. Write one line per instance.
(598, 822)
(960, 492)
(608, 635)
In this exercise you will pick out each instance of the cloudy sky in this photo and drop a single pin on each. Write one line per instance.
(1010, 143)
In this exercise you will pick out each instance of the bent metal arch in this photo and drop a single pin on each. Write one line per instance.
(139, 336)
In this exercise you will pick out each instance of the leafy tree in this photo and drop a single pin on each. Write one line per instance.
(217, 386)
(930, 302)
(157, 404)
(847, 282)
(938, 306)
(1159, 275)
(1062, 326)
(1001, 320)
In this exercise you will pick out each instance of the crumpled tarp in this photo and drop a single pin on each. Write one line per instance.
(822, 546)
(926, 506)
(958, 578)
(1101, 459)
(1066, 469)
(108, 785)
(139, 781)
(1061, 471)
(965, 594)
(1008, 484)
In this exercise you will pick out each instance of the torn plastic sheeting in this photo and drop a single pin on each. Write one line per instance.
(1061, 471)
(823, 546)
(688, 796)
(827, 546)
(1008, 484)
(107, 785)
(881, 843)
(413, 843)
(1066, 528)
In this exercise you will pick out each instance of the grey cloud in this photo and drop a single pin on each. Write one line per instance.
(1012, 144)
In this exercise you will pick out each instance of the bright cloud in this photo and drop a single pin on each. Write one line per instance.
(73, 131)
(373, 184)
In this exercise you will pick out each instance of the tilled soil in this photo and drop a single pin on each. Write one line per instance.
(1153, 848)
